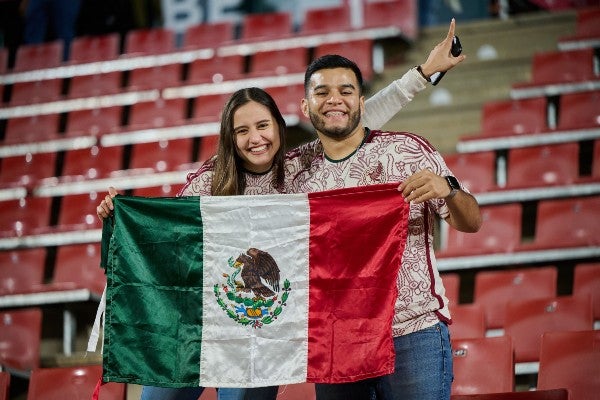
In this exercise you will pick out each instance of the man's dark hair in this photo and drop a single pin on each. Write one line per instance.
(330, 61)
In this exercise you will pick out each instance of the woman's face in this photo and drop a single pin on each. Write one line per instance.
(256, 136)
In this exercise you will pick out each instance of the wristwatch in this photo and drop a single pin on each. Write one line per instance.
(454, 186)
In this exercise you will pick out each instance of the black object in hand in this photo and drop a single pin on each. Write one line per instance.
(455, 50)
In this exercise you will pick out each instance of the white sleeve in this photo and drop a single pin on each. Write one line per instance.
(386, 103)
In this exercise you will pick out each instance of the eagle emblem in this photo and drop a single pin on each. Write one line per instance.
(254, 298)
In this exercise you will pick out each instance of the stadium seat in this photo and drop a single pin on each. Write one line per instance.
(360, 51)
(571, 360)
(38, 56)
(587, 25)
(550, 394)
(162, 156)
(157, 191)
(325, 20)
(500, 233)
(4, 385)
(208, 34)
(27, 216)
(73, 383)
(216, 69)
(20, 336)
(28, 169)
(514, 117)
(467, 321)
(94, 121)
(78, 266)
(78, 212)
(208, 147)
(579, 110)
(476, 171)
(95, 85)
(451, 282)
(279, 62)
(21, 269)
(158, 77)
(400, 13)
(556, 67)
(31, 129)
(157, 114)
(299, 391)
(586, 282)
(288, 98)
(86, 49)
(483, 365)
(265, 26)
(494, 289)
(39, 91)
(567, 222)
(208, 108)
(527, 320)
(92, 163)
(556, 164)
(149, 41)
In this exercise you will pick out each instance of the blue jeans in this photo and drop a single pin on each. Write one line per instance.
(423, 371)
(188, 393)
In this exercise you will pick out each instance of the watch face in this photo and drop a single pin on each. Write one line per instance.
(453, 182)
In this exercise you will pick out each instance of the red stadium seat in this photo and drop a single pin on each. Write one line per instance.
(587, 26)
(483, 365)
(208, 147)
(78, 212)
(556, 164)
(27, 170)
(550, 394)
(38, 56)
(208, 108)
(299, 391)
(527, 320)
(86, 49)
(73, 383)
(586, 282)
(216, 69)
(78, 266)
(476, 171)
(494, 289)
(20, 336)
(514, 117)
(264, 26)
(93, 163)
(95, 85)
(162, 156)
(500, 233)
(579, 110)
(325, 20)
(21, 270)
(399, 13)
(467, 321)
(571, 360)
(279, 62)
(27, 216)
(563, 67)
(149, 41)
(451, 282)
(157, 114)
(95, 121)
(288, 98)
(4, 385)
(360, 51)
(568, 222)
(158, 77)
(31, 129)
(209, 34)
(36, 92)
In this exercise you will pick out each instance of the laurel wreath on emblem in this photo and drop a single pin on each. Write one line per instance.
(251, 301)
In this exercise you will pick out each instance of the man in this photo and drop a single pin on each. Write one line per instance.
(347, 154)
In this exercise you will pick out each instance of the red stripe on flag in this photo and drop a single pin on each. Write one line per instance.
(355, 254)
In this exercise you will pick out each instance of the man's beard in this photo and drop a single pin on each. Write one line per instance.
(337, 132)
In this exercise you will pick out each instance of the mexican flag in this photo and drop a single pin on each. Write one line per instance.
(249, 291)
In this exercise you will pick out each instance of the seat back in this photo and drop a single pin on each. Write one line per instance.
(157, 114)
(28, 169)
(482, 365)
(95, 85)
(158, 77)
(73, 383)
(78, 266)
(149, 41)
(20, 336)
(162, 156)
(208, 34)
(451, 281)
(263, 26)
(571, 360)
(279, 62)
(579, 110)
(92, 163)
(586, 282)
(78, 212)
(514, 117)
(38, 56)
(400, 13)
(94, 121)
(27, 216)
(527, 320)
(467, 321)
(21, 270)
(476, 171)
(216, 69)
(325, 20)
(360, 51)
(550, 394)
(563, 66)
(31, 129)
(40, 91)
(94, 48)
(494, 289)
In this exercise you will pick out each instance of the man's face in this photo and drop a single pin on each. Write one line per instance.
(333, 102)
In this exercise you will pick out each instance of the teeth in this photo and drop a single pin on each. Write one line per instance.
(335, 113)
(258, 149)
